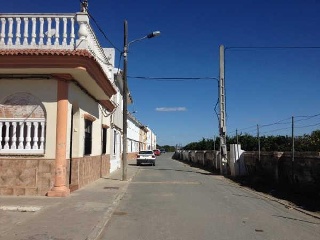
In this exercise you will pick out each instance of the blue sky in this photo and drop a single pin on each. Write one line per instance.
(263, 86)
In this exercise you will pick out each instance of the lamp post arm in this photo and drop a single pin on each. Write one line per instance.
(135, 40)
(150, 35)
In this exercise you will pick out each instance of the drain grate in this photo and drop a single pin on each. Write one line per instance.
(118, 213)
(114, 188)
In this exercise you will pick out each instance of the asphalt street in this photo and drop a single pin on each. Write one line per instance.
(175, 201)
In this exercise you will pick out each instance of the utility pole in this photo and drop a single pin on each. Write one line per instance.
(125, 94)
(237, 137)
(125, 102)
(222, 123)
(258, 137)
(292, 163)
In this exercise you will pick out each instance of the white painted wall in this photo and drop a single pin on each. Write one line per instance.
(151, 140)
(115, 156)
(83, 104)
(237, 166)
(133, 135)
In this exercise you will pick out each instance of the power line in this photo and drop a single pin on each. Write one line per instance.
(174, 78)
(278, 129)
(276, 123)
(306, 126)
(275, 47)
(307, 117)
(281, 122)
(100, 29)
(254, 126)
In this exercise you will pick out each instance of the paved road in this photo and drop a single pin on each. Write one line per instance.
(175, 201)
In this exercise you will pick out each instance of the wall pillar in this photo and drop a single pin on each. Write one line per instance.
(60, 179)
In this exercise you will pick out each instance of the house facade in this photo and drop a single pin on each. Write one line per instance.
(137, 136)
(55, 92)
(60, 105)
(151, 139)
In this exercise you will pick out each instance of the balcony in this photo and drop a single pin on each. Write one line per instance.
(52, 32)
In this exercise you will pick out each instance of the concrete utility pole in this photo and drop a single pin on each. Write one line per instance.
(258, 138)
(222, 123)
(125, 102)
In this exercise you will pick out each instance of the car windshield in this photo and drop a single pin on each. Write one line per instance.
(145, 152)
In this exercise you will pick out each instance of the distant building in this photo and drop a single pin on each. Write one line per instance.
(151, 140)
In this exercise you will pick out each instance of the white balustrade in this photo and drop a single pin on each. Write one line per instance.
(41, 31)
(27, 134)
(28, 137)
(21, 138)
(1, 124)
(3, 31)
(18, 34)
(35, 138)
(6, 138)
(52, 31)
(14, 136)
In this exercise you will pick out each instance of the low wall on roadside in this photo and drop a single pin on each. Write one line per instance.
(205, 158)
(302, 173)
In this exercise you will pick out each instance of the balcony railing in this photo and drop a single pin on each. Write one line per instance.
(22, 136)
(37, 31)
(52, 31)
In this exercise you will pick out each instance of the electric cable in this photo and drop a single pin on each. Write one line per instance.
(172, 78)
(100, 29)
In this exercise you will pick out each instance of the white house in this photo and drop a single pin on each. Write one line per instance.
(60, 105)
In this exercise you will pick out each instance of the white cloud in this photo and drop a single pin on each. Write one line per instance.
(171, 109)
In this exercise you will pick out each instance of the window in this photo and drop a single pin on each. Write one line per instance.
(104, 140)
(114, 142)
(87, 137)
(22, 125)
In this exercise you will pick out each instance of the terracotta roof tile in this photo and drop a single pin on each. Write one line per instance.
(55, 52)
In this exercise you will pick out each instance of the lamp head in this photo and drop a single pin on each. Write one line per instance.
(153, 34)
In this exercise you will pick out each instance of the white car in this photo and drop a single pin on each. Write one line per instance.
(146, 156)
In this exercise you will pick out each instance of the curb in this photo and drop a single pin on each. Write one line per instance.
(96, 232)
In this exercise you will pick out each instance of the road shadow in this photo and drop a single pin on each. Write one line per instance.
(301, 198)
(180, 170)
(306, 200)
(210, 170)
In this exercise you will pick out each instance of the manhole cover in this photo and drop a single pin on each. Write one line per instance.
(120, 213)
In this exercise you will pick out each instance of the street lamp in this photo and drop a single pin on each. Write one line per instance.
(125, 93)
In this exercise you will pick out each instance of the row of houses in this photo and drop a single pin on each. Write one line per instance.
(60, 106)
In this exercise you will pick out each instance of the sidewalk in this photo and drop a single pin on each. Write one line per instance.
(82, 215)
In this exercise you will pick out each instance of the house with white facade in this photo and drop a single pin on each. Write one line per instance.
(56, 87)
(151, 139)
(60, 105)
(137, 139)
